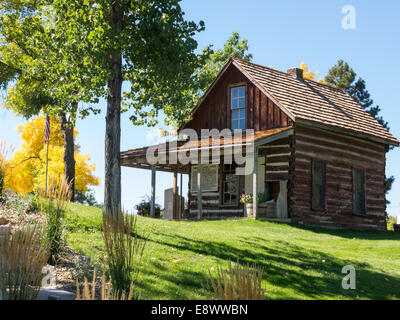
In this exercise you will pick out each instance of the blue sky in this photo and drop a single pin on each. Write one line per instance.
(281, 34)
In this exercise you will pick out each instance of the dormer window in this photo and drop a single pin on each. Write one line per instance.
(238, 107)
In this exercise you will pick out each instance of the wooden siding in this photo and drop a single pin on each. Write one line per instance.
(212, 207)
(277, 159)
(341, 154)
(214, 111)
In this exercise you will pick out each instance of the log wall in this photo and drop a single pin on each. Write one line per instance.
(277, 159)
(212, 207)
(341, 154)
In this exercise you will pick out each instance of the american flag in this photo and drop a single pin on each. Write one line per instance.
(47, 129)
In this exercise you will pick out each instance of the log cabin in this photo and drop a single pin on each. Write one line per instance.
(318, 158)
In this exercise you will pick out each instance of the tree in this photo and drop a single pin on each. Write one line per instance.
(27, 167)
(308, 74)
(41, 77)
(151, 46)
(233, 47)
(148, 44)
(344, 78)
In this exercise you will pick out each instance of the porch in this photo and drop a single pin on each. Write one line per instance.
(214, 185)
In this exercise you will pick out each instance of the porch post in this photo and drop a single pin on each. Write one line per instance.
(175, 196)
(255, 191)
(153, 192)
(181, 207)
(199, 195)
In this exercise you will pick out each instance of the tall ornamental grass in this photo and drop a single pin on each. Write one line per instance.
(22, 258)
(58, 195)
(88, 291)
(124, 248)
(236, 283)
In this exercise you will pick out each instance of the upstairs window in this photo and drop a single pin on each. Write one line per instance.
(318, 185)
(358, 191)
(238, 108)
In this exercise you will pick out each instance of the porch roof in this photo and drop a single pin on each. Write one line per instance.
(136, 158)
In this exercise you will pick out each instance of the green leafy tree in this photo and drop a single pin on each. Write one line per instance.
(233, 47)
(39, 75)
(95, 45)
(147, 44)
(344, 78)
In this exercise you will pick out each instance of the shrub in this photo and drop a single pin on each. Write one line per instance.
(21, 205)
(390, 221)
(87, 198)
(84, 268)
(89, 291)
(237, 283)
(124, 248)
(58, 196)
(143, 208)
(23, 256)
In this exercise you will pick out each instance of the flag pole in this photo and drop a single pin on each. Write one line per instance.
(47, 140)
(47, 164)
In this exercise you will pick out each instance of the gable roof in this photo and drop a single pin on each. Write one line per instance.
(315, 102)
(307, 101)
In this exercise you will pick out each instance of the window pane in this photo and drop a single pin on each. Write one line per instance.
(242, 91)
(242, 102)
(242, 113)
(234, 103)
(242, 124)
(318, 185)
(235, 124)
(235, 114)
(235, 92)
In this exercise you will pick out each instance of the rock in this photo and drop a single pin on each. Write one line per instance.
(3, 221)
(55, 294)
(4, 230)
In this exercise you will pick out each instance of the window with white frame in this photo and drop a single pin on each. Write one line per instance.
(238, 107)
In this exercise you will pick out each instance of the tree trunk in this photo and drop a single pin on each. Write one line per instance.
(67, 130)
(112, 181)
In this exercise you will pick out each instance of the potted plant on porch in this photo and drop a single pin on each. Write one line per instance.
(247, 200)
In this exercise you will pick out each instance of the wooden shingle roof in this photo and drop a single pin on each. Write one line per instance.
(311, 101)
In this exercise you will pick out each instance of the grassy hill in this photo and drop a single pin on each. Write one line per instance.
(299, 262)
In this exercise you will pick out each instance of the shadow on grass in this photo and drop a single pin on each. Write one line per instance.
(169, 284)
(308, 273)
(350, 233)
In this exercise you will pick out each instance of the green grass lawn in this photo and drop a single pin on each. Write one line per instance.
(299, 262)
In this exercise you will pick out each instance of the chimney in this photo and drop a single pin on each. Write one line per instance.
(297, 73)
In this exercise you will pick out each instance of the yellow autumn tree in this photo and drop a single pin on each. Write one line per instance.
(308, 74)
(27, 167)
